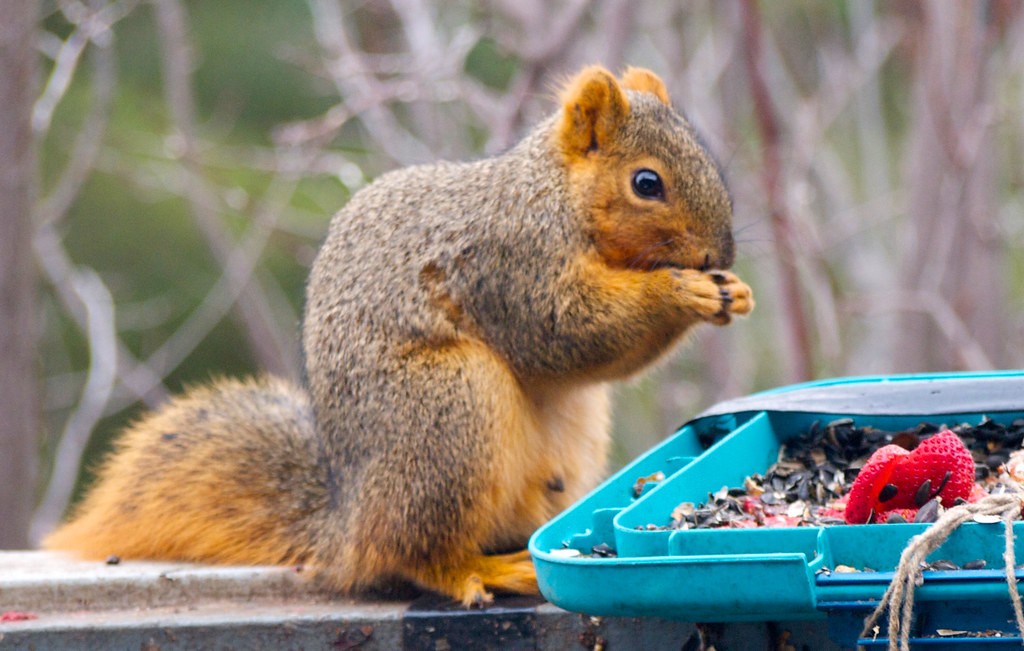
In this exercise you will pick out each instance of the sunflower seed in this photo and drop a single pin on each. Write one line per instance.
(924, 493)
(945, 480)
(929, 512)
(887, 493)
(603, 550)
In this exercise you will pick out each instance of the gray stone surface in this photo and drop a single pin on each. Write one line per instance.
(170, 606)
(213, 625)
(52, 581)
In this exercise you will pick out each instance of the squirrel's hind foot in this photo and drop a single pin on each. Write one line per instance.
(468, 581)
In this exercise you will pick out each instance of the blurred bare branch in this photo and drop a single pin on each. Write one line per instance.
(61, 272)
(238, 270)
(99, 384)
(82, 158)
(92, 25)
(274, 348)
(798, 341)
(965, 346)
(955, 253)
(355, 81)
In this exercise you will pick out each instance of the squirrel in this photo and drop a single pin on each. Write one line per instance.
(462, 324)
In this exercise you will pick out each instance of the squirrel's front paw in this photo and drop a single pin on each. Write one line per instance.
(715, 295)
(736, 295)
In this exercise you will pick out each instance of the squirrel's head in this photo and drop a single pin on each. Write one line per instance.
(654, 194)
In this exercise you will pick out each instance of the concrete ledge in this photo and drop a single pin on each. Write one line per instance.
(51, 581)
(168, 606)
(210, 625)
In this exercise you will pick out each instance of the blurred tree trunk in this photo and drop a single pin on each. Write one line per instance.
(18, 388)
(953, 271)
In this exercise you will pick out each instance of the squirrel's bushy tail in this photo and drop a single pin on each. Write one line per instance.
(225, 473)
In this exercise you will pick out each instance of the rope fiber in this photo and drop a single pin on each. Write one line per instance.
(899, 596)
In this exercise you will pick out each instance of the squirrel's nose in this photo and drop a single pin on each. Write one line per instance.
(719, 257)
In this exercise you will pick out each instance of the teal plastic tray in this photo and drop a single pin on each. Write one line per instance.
(728, 575)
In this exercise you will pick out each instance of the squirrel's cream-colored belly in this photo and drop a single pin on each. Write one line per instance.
(573, 429)
(563, 455)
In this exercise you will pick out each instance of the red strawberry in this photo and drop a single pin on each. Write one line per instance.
(931, 461)
(863, 496)
(893, 478)
(906, 514)
(977, 492)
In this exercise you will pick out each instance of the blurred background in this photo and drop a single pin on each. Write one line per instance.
(168, 169)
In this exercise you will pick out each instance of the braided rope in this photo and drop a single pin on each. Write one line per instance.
(899, 596)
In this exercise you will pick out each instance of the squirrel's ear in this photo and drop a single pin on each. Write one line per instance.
(593, 108)
(645, 81)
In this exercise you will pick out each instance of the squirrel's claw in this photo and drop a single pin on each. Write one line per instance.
(718, 277)
(474, 595)
(735, 295)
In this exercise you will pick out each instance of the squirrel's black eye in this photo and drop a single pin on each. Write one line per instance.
(647, 184)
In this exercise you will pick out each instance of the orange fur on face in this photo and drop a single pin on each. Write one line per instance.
(633, 232)
(603, 148)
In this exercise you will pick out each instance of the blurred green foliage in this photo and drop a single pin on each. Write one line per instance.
(490, 65)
